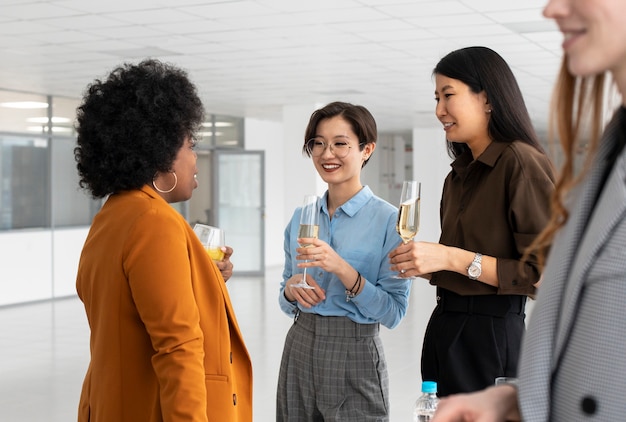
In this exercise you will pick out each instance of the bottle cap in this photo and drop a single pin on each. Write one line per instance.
(429, 387)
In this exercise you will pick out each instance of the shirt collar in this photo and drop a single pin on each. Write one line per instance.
(354, 204)
(489, 156)
(149, 190)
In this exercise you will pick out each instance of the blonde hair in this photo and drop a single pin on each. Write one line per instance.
(577, 116)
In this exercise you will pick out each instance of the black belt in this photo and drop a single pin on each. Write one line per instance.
(491, 305)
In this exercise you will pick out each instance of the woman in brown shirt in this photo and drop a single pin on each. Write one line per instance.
(495, 201)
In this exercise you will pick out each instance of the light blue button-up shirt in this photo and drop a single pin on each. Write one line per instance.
(362, 232)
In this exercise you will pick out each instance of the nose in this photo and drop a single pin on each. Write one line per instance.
(327, 151)
(440, 110)
(555, 9)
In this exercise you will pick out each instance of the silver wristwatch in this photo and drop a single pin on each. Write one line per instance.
(475, 269)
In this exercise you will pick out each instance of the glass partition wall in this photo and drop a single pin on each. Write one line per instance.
(44, 214)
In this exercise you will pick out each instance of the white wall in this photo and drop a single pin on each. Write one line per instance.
(39, 264)
(68, 244)
(300, 175)
(431, 164)
(266, 135)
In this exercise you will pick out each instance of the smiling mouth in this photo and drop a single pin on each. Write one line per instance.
(570, 34)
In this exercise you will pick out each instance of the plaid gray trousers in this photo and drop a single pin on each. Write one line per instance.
(332, 369)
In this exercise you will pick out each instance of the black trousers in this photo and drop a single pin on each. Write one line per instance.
(471, 340)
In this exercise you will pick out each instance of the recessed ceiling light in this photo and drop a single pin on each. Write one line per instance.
(25, 104)
(217, 124)
(210, 133)
(55, 129)
(45, 120)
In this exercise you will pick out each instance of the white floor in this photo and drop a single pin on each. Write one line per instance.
(44, 350)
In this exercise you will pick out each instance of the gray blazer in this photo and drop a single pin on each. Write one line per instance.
(573, 362)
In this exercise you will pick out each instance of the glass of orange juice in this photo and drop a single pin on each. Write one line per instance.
(213, 240)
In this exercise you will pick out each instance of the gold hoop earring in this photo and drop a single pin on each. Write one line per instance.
(166, 191)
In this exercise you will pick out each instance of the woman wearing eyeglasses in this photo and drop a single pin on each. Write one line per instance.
(333, 365)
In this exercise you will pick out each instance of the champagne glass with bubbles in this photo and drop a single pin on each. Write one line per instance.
(408, 222)
(309, 227)
(409, 213)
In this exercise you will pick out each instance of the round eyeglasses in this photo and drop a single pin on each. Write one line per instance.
(316, 147)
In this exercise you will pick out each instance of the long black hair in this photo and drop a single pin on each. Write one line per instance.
(482, 69)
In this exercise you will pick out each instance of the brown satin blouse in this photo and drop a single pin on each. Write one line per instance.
(496, 205)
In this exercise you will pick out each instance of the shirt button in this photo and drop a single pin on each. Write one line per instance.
(589, 405)
(235, 399)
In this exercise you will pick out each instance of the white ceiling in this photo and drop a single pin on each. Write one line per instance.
(251, 57)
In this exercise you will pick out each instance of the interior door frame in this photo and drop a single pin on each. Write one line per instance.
(215, 200)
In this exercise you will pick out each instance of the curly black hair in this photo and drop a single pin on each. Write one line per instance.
(131, 125)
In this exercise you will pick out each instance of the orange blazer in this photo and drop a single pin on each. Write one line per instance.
(165, 343)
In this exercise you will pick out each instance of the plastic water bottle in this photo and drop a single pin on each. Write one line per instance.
(426, 404)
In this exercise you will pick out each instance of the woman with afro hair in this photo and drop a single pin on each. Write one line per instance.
(165, 343)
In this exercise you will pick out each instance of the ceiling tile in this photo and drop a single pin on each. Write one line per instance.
(250, 57)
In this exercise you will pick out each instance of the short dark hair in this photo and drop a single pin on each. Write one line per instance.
(131, 125)
(360, 119)
(482, 69)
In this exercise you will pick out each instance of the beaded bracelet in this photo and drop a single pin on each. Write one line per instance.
(350, 294)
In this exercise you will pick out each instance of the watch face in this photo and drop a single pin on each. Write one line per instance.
(474, 271)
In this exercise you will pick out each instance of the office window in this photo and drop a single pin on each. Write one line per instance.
(221, 132)
(71, 205)
(23, 189)
(38, 177)
(23, 113)
(39, 181)
(63, 116)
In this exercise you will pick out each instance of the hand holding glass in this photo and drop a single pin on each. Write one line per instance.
(408, 222)
(212, 238)
(309, 227)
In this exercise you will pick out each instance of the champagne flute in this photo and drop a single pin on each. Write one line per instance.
(212, 238)
(409, 213)
(408, 222)
(309, 227)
